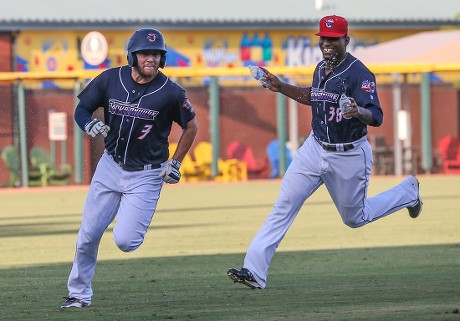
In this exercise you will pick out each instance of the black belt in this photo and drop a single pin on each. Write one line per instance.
(137, 168)
(335, 147)
(129, 168)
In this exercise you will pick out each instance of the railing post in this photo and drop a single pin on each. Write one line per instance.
(398, 168)
(78, 140)
(293, 123)
(63, 152)
(425, 122)
(281, 128)
(23, 135)
(214, 125)
(53, 153)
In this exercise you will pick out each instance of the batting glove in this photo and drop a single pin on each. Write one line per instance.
(170, 173)
(96, 127)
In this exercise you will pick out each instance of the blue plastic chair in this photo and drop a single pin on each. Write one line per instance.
(273, 153)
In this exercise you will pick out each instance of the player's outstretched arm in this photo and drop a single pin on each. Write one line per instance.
(299, 94)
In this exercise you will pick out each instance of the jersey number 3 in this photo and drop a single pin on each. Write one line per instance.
(145, 131)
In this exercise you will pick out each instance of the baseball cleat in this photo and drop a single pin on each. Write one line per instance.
(414, 211)
(243, 276)
(73, 303)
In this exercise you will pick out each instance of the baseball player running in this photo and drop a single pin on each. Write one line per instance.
(140, 104)
(336, 153)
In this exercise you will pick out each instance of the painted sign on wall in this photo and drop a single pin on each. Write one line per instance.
(61, 51)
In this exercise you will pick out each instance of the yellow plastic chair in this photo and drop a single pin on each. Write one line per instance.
(189, 170)
(229, 170)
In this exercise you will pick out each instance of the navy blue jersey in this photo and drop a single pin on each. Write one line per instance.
(353, 79)
(140, 116)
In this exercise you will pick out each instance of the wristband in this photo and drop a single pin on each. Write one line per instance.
(175, 163)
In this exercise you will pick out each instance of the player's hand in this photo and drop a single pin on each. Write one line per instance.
(353, 110)
(170, 173)
(273, 82)
(361, 113)
(96, 127)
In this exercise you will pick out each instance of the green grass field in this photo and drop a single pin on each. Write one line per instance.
(397, 268)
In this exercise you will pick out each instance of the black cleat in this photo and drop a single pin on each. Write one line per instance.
(243, 276)
(73, 303)
(414, 211)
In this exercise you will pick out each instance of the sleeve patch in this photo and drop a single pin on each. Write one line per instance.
(187, 105)
(368, 86)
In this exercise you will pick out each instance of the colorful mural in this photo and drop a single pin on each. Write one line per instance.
(60, 51)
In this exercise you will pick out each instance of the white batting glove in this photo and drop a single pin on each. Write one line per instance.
(170, 173)
(96, 127)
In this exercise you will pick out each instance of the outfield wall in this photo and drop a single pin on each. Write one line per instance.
(247, 114)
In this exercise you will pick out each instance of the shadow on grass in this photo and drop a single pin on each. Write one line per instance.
(401, 283)
(74, 219)
(42, 229)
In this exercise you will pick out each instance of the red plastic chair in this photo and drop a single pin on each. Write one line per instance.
(244, 153)
(449, 149)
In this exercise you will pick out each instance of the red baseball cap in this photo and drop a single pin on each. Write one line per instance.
(333, 26)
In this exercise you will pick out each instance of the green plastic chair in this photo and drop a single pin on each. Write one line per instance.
(11, 159)
(41, 161)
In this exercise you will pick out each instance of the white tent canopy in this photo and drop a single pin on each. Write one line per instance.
(424, 47)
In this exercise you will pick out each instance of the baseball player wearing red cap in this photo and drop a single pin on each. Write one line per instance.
(336, 153)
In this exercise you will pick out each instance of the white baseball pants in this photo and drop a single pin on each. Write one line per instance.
(346, 176)
(131, 195)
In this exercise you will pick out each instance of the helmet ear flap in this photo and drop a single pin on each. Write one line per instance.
(163, 60)
(132, 59)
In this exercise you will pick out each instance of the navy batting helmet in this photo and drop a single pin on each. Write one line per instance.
(146, 39)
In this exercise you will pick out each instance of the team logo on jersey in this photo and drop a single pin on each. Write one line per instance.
(151, 37)
(121, 108)
(187, 105)
(330, 23)
(321, 95)
(368, 86)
